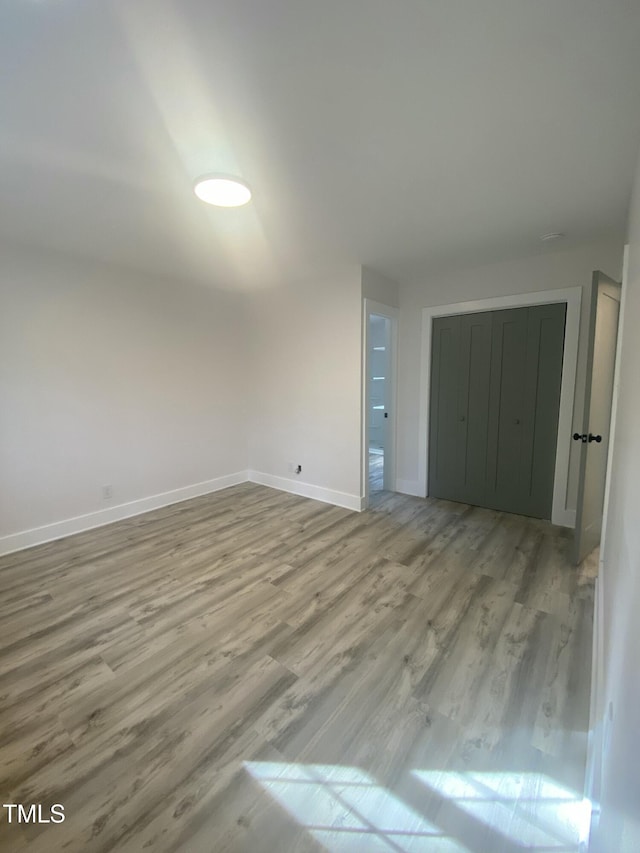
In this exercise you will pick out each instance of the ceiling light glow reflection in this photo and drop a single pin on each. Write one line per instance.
(222, 191)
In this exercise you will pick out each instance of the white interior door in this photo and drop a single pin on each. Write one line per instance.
(593, 433)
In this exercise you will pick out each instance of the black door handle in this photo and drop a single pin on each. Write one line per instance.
(578, 437)
(597, 438)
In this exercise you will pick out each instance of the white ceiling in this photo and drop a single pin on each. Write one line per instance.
(401, 134)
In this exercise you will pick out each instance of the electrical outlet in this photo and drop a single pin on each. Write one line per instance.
(107, 492)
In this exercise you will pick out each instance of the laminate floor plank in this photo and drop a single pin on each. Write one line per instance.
(254, 611)
(357, 615)
(254, 671)
(60, 680)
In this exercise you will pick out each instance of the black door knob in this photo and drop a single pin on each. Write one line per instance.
(578, 437)
(597, 438)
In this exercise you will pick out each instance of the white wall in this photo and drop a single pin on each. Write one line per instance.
(552, 271)
(379, 288)
(619, 828)
(110, 377)
(165, 389)
(150, 385)
(306, 386)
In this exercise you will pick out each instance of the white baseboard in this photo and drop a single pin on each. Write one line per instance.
(409, 487)
(308, 490)
(566, 518)
(49, 532)
(599, 722)
(67, 527)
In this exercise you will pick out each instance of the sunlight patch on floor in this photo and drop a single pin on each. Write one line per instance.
(530, 809)
(347, 811)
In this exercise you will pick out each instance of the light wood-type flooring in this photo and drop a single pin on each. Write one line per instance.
(376, 472)
(253, 671)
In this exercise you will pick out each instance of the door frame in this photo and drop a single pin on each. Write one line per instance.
(613, 291)
(599, 719)
(369, 307)
(572, 297)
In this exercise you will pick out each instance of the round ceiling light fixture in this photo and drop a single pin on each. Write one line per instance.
(222, 191)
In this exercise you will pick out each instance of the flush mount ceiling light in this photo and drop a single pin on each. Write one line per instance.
(551, 236)
(222, 191)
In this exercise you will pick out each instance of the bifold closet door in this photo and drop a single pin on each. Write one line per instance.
(494, 403)
(526, 375)
(460, 370)
(446, 372)
(474, 401)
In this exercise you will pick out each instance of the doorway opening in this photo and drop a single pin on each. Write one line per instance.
(379, 398)
(379, 357)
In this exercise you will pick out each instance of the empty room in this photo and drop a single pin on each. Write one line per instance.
(319, 405)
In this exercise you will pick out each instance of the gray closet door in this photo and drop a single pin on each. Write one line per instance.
(506, 403)
(446, 371)
(504, 370)
(473, 404)
(543, 382)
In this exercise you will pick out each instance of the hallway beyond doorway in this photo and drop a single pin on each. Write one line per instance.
(376, 469)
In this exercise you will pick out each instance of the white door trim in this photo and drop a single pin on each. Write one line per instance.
(572, 296)
(599, 721)
(370, 306)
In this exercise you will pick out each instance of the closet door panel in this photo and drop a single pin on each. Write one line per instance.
(545, 351)
(444, 474)
(506, 407)
(475, 360)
